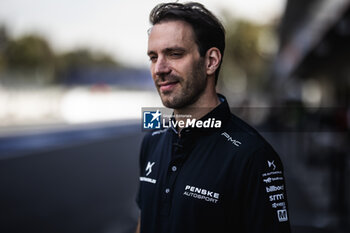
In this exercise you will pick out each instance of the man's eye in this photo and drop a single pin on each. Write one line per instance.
(176, 55)
(153, 58)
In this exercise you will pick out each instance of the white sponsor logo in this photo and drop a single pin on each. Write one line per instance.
(200, 193)
(149, 168)
(272, 173)
(271, 164)
(230, 139)
(278, 204)
(147, 179)
(159, 132)
(270, 179)
(282, 215)
(274, 188)
(276, 197)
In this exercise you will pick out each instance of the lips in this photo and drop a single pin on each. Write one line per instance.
(167, 85)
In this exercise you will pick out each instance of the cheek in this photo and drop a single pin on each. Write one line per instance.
(182, 68)
(151, 68)
(152, 71)
(193, 68)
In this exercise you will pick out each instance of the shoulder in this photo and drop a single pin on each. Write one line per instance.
(153, 137)
(248, 136)
(151, 140)
(253, 146)
(252, 156)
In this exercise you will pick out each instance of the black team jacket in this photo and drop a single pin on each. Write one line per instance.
(225, 179)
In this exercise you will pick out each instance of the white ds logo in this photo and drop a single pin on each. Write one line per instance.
(271, 164)
(149, 168)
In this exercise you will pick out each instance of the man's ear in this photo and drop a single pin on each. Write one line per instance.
(213, 59)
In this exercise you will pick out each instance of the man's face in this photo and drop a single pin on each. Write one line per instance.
(177, 69)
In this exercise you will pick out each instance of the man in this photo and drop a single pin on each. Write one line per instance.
(221, 178)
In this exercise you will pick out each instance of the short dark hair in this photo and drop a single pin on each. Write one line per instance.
(208, 30)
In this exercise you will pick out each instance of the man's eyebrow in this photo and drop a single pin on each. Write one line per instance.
(168, 50)
(172, 49)
(149, 53)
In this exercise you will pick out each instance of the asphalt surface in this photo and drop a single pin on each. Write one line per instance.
(84, 184)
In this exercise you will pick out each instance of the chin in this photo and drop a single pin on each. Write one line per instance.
(167, 103)
(171, 101)
(172, 104)
(166, 98)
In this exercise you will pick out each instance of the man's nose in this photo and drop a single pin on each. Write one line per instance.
(161, 67)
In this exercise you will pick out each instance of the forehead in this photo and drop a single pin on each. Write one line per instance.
(169, 34)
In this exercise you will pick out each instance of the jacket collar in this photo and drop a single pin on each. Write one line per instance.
(220, 113)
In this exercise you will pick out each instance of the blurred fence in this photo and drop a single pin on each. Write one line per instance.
(76, 104)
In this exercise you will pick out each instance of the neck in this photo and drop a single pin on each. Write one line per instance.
(205, 103)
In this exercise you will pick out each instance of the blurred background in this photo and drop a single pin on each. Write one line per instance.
(74, 76)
